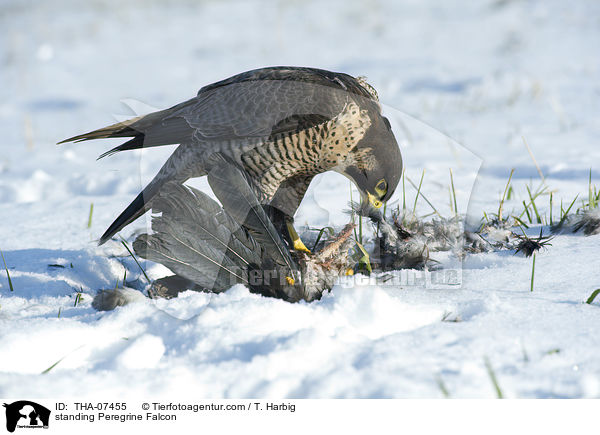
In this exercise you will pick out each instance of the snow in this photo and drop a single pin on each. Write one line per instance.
(487, 74)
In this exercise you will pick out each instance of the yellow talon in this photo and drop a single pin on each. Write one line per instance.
(349, 271)
(298, 244)
(290, 280)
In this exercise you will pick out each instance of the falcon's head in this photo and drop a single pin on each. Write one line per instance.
(376, 163)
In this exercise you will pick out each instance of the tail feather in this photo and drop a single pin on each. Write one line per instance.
(135, 143)
(164, 127)
(120, 129)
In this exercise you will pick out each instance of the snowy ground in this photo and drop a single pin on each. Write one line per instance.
(485, 73)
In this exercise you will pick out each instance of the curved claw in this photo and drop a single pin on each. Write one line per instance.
(300, 246)
(297, 242)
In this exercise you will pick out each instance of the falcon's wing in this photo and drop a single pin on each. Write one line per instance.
(255, 104)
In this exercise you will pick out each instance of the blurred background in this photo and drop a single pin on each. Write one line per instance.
(486, 73)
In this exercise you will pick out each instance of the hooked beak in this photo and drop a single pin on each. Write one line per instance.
(374, 201)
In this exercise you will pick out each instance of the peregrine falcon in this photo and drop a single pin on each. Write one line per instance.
(203, 243)
(281, 126)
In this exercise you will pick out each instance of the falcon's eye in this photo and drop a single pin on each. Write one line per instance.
(381, 188)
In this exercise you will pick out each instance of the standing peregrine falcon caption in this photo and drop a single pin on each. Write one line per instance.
(281, 126)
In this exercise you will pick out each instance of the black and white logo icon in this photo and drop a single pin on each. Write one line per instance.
(26, 414)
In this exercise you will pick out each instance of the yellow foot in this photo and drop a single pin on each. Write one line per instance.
(298, 244)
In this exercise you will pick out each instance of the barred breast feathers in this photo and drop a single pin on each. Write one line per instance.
(308, 152)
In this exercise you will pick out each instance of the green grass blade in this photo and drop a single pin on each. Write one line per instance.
(418, 191)
(135, 259)
(10, 284)
(52, 366)
(453, 193)
(590, 194)
(57, 362)
(526, 210)
(593, 296)
(360, 230)
(403, 193)
(90, 216)
(532, 272)
(501, 205)
(510, 193)
(321, 231)
(532, 199)
(353, 214)
(442, 386)
(423, 196)
(363, 257)
(551, 205)
(566, 213)
(521, 222)
(493, 378)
